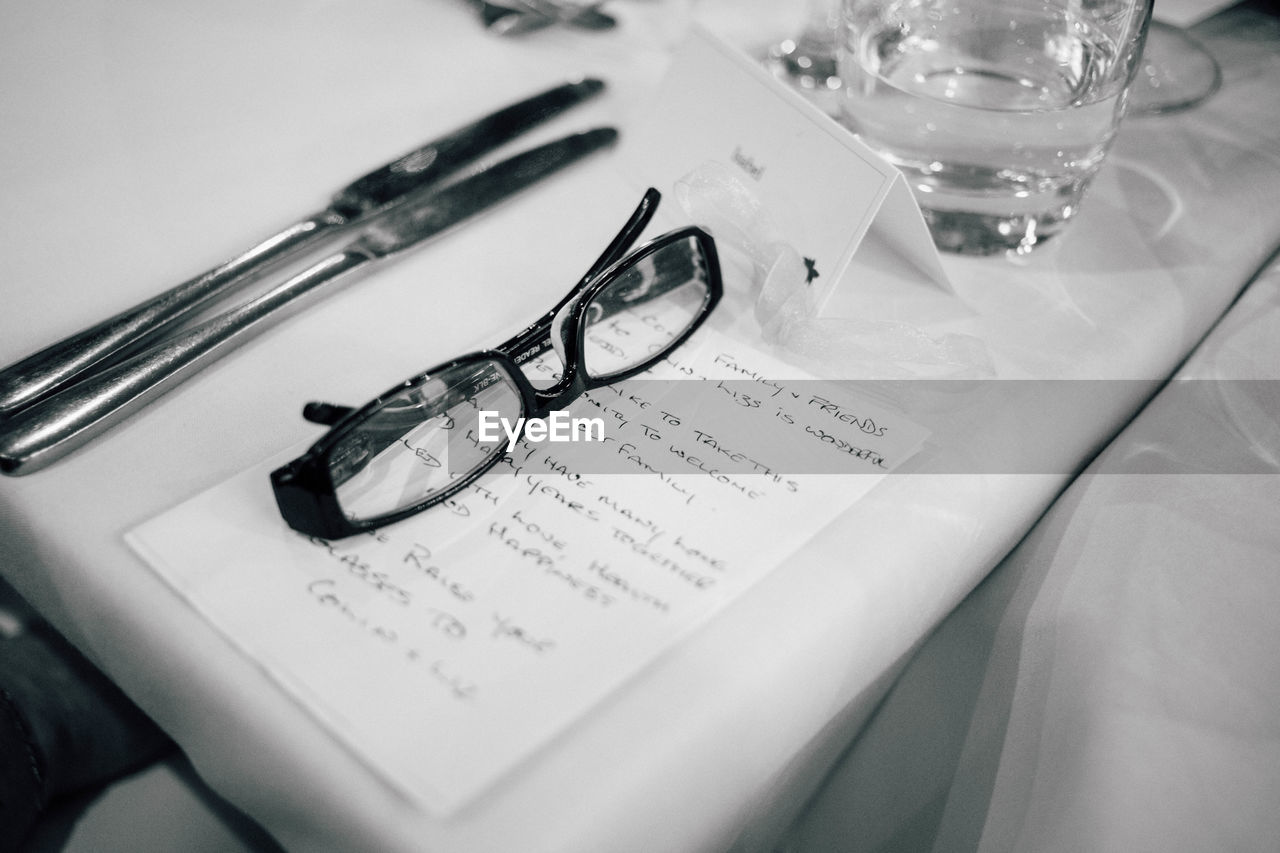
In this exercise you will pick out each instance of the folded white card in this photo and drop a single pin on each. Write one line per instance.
(826, 191)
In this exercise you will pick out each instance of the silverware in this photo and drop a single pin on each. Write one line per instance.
(516, 17)
(44, 433)
(43, 372)
(587, 17)
(508, 21)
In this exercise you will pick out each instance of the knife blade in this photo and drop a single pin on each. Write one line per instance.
(59, 364)
(46, 432)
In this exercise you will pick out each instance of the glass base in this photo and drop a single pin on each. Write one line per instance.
(968, 233)
(1176, 73)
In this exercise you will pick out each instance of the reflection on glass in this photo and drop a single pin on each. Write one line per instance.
(643, 310)
(807, 60)
(405, 452)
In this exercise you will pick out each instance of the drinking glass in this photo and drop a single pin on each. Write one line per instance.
(998, 112)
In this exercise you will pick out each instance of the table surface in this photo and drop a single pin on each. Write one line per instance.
(144, 144)
(1112, 684)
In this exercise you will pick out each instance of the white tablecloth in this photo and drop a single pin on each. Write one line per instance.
(143, 143)
(1113, 684)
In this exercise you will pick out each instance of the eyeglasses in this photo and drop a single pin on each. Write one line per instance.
(430, 437)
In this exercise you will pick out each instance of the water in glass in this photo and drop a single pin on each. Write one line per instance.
(998, 113)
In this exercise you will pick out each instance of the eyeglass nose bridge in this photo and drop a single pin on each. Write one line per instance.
(572, 385)
(562, 329)
(566, 325)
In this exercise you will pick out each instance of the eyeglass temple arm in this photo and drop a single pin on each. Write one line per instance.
(535, 340)
(325, 414)
(623, 241)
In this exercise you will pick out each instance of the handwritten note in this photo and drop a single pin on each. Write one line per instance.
(448, 648)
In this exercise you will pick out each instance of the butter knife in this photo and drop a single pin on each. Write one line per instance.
(49, 369)
(43, 433)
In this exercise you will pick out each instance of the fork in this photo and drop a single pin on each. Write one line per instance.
(516, 17)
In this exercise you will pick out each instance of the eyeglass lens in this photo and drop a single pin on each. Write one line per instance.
(645, 309)
(425, 438)
(421, 440)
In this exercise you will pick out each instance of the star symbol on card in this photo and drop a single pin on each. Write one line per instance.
(811, 270)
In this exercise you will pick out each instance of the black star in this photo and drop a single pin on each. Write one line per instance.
(812, 266)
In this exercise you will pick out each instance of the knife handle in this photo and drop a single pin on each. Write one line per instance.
(46, 432)
(43, 372)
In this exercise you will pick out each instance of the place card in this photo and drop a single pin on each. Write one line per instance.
(828, 193)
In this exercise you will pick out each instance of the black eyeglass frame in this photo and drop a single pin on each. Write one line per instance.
(304, 489)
